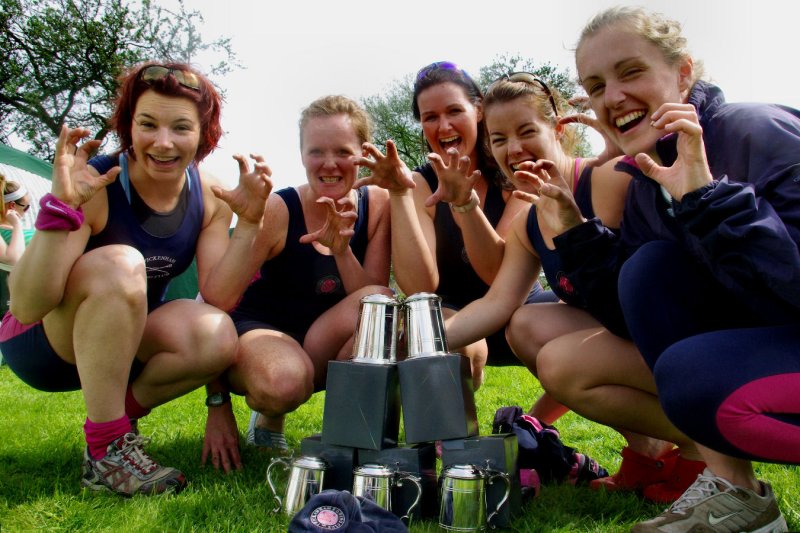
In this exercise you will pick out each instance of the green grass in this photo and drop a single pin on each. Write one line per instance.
(41, 442)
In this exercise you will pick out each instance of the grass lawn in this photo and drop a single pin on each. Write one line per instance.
(41, 442)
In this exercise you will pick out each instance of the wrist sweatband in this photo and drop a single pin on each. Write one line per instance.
(55, 215)
(473, 202)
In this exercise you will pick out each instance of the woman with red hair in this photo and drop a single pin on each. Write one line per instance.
(88, 309)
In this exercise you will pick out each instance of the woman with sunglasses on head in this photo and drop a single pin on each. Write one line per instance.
(525, 132)
(324, 245)
(707, 265)
(450, 216)
(87, 306)
(15, 203)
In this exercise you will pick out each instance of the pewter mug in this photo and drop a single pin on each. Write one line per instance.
(463, 502)
(376, 330)
(375, 481)
(425, 334)
(306, 474)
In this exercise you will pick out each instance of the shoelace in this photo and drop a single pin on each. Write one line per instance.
(133, 454)
(704, 487)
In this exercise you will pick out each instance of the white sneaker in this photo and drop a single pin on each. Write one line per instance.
(714, 504)
(264, 438)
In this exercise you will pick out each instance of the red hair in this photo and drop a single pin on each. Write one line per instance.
(207, 100)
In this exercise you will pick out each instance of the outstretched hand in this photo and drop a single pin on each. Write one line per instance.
(221, 440)
(335, 234)
(690, 170)
(73, 183)
(455, 182)
(249, 199)
(386, 171)
(542, 184)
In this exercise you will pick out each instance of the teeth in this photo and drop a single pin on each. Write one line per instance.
(449, 139)
(162, 159)
(621, 121)
(329, 179)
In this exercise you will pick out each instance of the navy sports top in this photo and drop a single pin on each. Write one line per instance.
(165, 257)
(550, 259)
(458, 282)
(299, 284)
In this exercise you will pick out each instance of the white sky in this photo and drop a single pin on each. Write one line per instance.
(296, 51)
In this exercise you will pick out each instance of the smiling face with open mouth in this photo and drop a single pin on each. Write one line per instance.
(449, 119)
(627, 79)
(330, 146)
(165, 135)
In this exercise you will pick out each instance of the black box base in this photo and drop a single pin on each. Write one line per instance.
(362, 405)
(438, 398)
(501, 451)
(341, 461)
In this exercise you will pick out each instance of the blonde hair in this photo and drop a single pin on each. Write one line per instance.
(539, 98)
(665, 33)
(329, 106)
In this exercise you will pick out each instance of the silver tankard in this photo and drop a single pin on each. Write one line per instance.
(424, 325)
(463, 502)
(306, 475)
(376, 330)
(375, 481)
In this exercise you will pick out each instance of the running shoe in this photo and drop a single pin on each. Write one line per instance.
(714, 504)
(265, 438)
(127, 470)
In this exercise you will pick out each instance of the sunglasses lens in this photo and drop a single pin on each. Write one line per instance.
(158, 72)
(439, 65)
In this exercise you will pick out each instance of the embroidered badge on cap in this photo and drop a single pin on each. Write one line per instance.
(327, 517)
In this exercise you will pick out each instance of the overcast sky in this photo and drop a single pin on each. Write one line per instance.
(294, 52)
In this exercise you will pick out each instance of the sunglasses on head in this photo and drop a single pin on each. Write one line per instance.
(155, 73)
(438, 65)
(24, 207)
(530, 79)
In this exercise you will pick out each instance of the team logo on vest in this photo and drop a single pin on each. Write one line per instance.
(159, 266)
(327, 517)
(564, 284)
(328, 284)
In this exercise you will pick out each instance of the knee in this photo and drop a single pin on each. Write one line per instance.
(522, 337)
(215, 340)
(281, 389)
(115, 272)
(553, 372)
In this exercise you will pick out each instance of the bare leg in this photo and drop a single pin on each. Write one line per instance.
(615, 387)
(737, 471)
(99, 325)
(531, 327)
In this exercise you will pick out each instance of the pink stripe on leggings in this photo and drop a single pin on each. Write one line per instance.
(743, 418)
(11, 327)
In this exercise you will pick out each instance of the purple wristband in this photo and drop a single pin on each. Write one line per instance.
(55, 215)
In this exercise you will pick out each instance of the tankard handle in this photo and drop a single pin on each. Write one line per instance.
(284, 462)
(498, 475)
(402, 476)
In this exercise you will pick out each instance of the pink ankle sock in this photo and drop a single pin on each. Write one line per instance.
(133, 408)
(100, 434)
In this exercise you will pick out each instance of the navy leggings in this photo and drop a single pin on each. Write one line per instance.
(725, 378)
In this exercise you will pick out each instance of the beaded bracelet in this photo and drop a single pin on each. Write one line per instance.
(55, 215)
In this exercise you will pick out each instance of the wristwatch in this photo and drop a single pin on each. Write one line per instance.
(216, 399)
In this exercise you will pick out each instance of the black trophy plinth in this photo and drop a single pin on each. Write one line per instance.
(341, 461)
(419, 460)
(501, 451)
(362, 405)
(438, 398)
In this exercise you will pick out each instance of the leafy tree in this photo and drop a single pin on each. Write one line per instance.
(393, 119)
(61, 60)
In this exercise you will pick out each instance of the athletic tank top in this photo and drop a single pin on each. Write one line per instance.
(458, 282)
(299, 284)
(165, 257)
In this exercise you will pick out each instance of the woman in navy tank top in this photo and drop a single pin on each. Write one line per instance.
(323, 246)
(87, 306)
